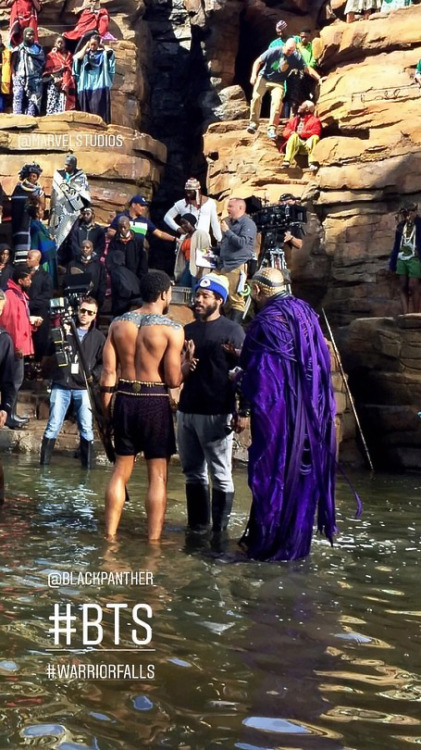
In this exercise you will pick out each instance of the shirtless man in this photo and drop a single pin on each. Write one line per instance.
(146, 347)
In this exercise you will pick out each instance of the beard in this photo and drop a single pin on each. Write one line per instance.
(205, 312)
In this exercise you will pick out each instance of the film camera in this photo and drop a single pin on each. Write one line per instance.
(273, 221)
(62, 311)
(280, 216)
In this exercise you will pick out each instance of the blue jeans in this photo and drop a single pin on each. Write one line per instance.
(60, 400)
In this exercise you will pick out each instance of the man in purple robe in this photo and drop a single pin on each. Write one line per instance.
(292, 458)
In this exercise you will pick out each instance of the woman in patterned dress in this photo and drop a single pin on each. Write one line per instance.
(61, 88)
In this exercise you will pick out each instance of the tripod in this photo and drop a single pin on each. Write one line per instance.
(273, 256)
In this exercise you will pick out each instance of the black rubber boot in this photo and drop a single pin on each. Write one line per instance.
(14, 422)
(236, 316)
(198, 506)
(86, 453)
(47, 447)
(221, 509)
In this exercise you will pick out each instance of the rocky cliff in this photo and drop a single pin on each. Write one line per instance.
(183, 70)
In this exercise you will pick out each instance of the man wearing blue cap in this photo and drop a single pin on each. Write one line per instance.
(140, 224)
(207, 402)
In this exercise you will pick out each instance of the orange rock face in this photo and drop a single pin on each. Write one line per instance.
(370, 160)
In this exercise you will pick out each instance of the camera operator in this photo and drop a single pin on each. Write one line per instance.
(293, 238)
(68, 384)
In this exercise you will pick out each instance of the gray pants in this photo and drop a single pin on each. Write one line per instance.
(203, 444)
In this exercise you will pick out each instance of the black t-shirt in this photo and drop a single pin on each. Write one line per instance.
(208, 390)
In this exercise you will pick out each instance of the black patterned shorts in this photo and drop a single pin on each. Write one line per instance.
(142, 420)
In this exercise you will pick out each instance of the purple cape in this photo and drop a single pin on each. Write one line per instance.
(292, 457)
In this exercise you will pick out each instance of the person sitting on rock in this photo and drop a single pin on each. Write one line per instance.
(23, 15)
(85, 228)
(405, 259)
(366, 7)
(269, 73)
(88, 262)
(94, 71)
(302, 133)
(125, 286)
(27, 65)
(136, 259)
(92, 20)
(280, 38)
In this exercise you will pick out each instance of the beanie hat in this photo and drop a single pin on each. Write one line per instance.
(281, 25)
(192, 184)
(215, 283)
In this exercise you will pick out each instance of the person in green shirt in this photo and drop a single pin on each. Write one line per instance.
(302, 86)
(305, 48)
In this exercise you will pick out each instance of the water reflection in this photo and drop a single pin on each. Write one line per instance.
(319, 655)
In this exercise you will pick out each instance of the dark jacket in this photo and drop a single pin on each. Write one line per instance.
(5, 275)
(125, 286)
(92, 345)
(98, 275)
(397, 245)
(80, 232)
(136, 259)
(40, 293)
(7, 369)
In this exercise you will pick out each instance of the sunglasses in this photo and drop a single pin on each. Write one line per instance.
(87, 312)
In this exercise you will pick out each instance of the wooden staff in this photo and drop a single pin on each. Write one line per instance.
(348, 392)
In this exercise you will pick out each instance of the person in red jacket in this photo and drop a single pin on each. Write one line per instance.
(302, 133)
(17, 321)
(92, 20)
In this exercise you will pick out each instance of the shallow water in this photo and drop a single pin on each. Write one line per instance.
(322, 654)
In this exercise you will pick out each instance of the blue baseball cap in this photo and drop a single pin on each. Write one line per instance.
(139, 199)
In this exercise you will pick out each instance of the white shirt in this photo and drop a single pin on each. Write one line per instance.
(206, 216)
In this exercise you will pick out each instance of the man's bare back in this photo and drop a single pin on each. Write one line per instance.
(148, 347)
(142, 358)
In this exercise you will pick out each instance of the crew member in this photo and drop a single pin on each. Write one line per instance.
(293, 237)
(237, 248)
(145, 346)
(69, 385)
(205, 439)
(292, 457)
